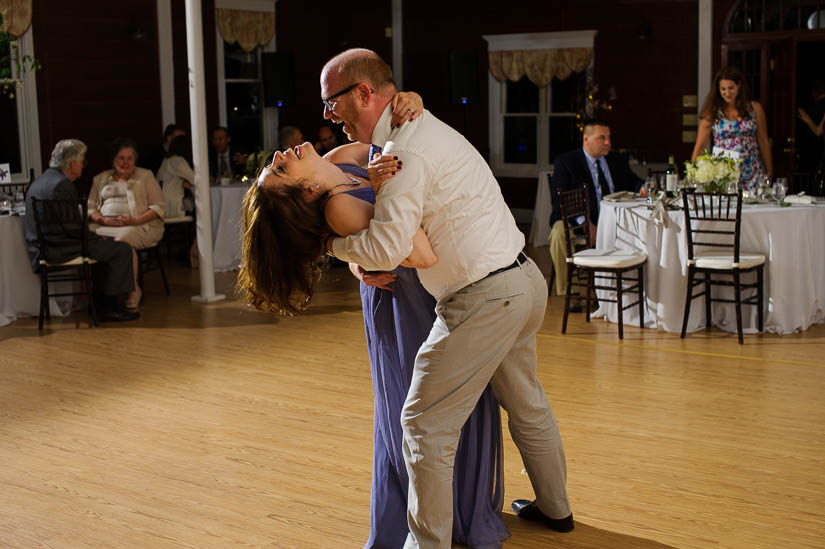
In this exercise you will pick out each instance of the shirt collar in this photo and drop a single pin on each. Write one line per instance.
(381, 132)
(590, 160)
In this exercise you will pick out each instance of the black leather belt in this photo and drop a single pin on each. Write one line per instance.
(520, 258)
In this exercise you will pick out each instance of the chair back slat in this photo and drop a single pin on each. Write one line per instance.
(60, 222)
(711, 214)
(575, 213)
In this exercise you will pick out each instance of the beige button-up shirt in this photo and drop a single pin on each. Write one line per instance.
(446, 187)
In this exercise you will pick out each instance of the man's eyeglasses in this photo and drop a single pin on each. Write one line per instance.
(330, 104)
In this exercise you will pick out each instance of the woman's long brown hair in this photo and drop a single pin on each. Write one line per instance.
(715, 104)
(282, 245)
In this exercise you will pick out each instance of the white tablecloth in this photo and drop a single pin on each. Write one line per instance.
(19, 286)
(792, 239)
(540, 228)
(226, 226)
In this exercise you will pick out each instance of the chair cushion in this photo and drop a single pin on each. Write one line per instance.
(723, 261)
(180, 219)
(79, 260)
(613, 259)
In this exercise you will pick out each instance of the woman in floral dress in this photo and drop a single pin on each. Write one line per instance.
(737, 124)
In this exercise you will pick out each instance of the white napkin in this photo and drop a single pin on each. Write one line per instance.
(621, 196)
(661, 217)
(796, 199)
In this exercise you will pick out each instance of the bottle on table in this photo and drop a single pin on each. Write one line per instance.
(671, 177)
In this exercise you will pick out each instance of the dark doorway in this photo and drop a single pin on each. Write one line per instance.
(809, 68)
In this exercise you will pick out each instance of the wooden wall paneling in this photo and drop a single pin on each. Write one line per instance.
(97, 82)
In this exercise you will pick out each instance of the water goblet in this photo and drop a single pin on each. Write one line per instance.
(779, 190)
(19, 202)
(650, 187)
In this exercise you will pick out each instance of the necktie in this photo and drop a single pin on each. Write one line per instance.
(602, 179)
(222, 165)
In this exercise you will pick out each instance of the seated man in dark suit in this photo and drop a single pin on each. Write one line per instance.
(602, 170)
(114, 276)
(222, 161)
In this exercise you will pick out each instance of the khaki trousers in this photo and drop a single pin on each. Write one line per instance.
(558, 254)
(484, 333)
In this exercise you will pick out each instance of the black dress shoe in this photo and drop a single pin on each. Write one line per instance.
(119, 316)
(528, 510)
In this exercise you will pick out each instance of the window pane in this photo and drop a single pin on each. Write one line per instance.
(238, 63)
(567, 94)
(564, 135)
(772, 17)
(5, 62)
(522, 96)
(790, 17)
(243, 111)
(520, 139)
(10, 136)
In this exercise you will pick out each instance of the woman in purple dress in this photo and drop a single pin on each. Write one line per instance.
(298, 201)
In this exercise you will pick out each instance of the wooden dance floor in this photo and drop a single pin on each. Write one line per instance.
(215, 426)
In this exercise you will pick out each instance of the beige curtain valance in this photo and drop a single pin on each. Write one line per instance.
(540, 66)
(248, 28)
(17, 16)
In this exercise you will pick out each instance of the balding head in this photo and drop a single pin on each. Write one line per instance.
(367, 86)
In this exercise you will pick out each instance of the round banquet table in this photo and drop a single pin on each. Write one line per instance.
(19, 286)
(226, 203)
(792, 238)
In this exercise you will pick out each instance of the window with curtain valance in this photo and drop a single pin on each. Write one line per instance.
(245, 29)
(17, 16)
(20, 136)
(537, 85)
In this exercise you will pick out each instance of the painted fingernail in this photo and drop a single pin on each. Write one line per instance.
(395, 158)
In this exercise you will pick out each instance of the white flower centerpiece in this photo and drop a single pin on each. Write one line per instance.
(715, 174)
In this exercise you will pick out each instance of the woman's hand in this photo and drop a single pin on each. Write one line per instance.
(381, 168)
(108, 221)
(406, 106)
(378, 279)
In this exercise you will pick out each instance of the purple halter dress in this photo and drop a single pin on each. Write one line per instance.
(396, 325)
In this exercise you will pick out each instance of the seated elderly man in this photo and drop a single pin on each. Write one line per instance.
(113, 271)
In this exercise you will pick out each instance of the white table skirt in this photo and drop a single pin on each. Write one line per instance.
(792, 239)
(19, 286)
(226, 203)
(540, 228)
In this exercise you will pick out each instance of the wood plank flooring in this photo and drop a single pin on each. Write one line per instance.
(220, 426)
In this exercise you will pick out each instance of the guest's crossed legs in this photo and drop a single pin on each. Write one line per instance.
(484, 333)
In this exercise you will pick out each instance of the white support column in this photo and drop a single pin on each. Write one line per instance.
(27, 112)
(705, 53)
(166, 63)
(397, 44)
(197, 111)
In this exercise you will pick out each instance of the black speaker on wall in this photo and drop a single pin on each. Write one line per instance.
(463, 77)
(279, 79)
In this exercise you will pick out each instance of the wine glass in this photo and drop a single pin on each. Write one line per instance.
(779, 189)
(650, 187)
(19, 202)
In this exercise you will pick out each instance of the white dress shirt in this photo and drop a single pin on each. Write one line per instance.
(446, 187)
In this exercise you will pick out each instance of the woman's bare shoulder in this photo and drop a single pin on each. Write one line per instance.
(346, 214)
